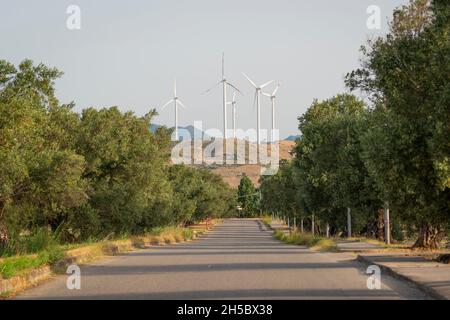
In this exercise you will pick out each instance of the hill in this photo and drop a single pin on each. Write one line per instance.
(291, 138)
(233, 172)
(189, 131)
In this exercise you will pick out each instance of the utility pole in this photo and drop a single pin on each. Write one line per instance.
(301, 224)
(349, 213)
(387, 224)
(349, 223)
(312, 224)
(260, 202)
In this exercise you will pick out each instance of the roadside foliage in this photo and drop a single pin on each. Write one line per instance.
(392, 149)
(67, 177)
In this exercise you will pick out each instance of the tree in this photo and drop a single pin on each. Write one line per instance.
(247, 197)
(407, 149)
(279, 192)
(41, 181)
(97, 174)
(329, 173)
(123, 165)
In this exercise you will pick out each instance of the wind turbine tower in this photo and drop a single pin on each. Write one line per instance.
(258, 90)
(272, 99)
(176, 101)
(233, 105)
(224, 83)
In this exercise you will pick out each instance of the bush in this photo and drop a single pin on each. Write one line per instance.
(36, 241)
(90, 175)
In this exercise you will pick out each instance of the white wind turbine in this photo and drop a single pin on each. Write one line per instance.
(224, 83)
(176, 101)
(233, 105)
(272, 98)
(258, 90)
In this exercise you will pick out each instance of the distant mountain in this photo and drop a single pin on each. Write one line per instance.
(193, 133)
(292, 138)
(154, 127)
(189, 131)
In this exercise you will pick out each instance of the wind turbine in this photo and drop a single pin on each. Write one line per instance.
(176, 101)
(272, 98)
(233, 105)
(224, 83)
(258, 90)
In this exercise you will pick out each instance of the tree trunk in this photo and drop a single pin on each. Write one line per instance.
(379, 231)
(430, 236)
(3, 230)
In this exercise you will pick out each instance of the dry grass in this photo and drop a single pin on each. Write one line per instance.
(307, 239)
(12, 266)
(400, 248)
(267, 220)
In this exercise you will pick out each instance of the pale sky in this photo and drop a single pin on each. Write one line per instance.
(127, 53)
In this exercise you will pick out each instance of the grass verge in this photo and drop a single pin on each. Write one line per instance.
(18, 264)
(11, 266)
(267, 220)
(307, 239)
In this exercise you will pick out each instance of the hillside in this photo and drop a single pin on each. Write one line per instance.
(232, 173)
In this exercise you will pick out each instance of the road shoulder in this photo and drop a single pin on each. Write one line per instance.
(431, 277)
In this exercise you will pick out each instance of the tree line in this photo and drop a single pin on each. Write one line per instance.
(390, 149)
(91, 174)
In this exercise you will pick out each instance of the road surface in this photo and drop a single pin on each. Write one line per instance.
(237, 260)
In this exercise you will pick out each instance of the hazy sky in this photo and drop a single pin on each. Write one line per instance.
(127, 53)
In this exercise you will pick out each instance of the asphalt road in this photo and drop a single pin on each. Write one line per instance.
(237, 260)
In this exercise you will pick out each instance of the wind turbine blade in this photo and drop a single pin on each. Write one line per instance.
(276, 89)
(266, 94)
(266, 84)
(234, 87)
(181, 103)
(175, 87)
(254, 100)
(250, 80)
(207, 91)
(234, 96)
(169, 102)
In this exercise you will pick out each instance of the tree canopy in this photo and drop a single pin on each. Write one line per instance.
(392, 149)
(92, 174)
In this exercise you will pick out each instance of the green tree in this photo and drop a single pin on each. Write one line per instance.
(407, 149)
(248, 197)
(87, 176)
(124, 166)
(40, 180)
(327, 167)
(279, 192)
